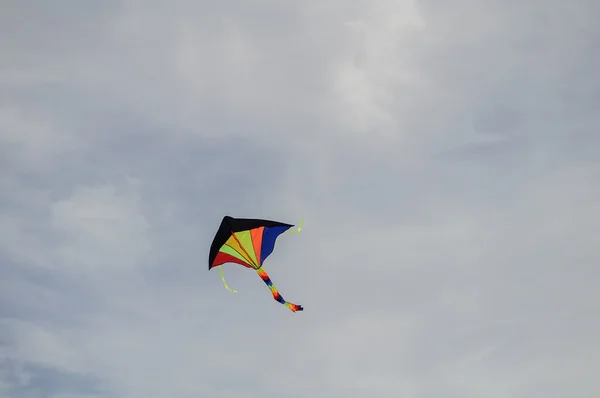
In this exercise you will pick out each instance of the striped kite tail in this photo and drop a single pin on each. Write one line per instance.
(263, 275)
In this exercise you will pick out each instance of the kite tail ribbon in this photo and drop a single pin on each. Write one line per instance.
(263, 275)
(298, 230)
(223, 279)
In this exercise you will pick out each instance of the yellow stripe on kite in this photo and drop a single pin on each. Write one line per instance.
(245, 239)
(233, 243)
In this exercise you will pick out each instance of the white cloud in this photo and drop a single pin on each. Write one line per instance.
(102, 221)
(33, 138)
(441, 156)
(372, 73)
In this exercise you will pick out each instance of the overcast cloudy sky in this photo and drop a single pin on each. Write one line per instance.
(445, 156)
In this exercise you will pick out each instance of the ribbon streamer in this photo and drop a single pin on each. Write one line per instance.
(298, 230)
(223, 279)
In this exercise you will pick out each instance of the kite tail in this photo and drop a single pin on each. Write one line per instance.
(298, 230)
(223, 279)
(263, 275)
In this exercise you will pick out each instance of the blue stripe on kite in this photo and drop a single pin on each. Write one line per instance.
(270, 234)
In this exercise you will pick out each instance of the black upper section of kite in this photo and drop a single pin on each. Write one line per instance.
(230, 225)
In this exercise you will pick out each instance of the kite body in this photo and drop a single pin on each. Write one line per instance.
(248, 242)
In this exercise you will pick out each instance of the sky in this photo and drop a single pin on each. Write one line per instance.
(443, 155)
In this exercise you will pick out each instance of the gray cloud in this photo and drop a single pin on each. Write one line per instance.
(32, 380)
(442, 155)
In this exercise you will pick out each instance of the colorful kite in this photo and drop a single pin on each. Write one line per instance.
(248, 242)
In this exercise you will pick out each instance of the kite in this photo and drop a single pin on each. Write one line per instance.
(248, 242)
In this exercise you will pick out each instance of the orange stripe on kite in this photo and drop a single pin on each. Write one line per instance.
(257, 235)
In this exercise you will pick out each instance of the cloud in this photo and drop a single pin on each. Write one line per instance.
(442, 155)
(95, 215)
(30, 380)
